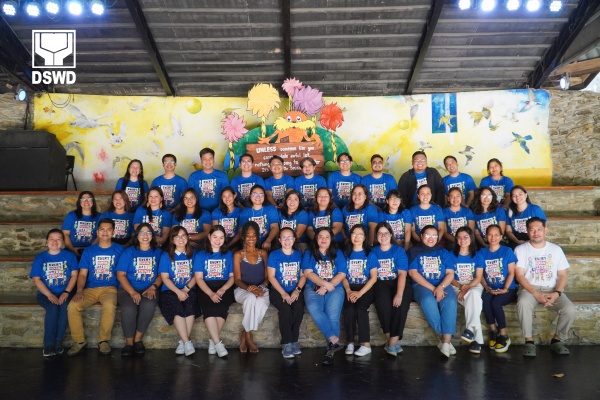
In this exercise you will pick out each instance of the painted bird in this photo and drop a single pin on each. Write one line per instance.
(197, 167)
(424, 145)
(77, 147)
(492, 126)
(468, 153)
(529, 103)
(82, 120)
(175, 126)
(479, 115)
(48, 110)
(117, 140)
(119, 159)
(154, 128)
(140, 106)
(155, 149)
(522, 140)
(446, 119)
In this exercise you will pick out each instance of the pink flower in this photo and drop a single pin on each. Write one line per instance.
(234, 127)
(291, 86)
(308, 100)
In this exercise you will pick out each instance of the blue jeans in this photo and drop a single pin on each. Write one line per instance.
(55, 321)
(440, 315)
(325, 310)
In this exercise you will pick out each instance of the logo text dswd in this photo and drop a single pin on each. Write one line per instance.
(53, 49)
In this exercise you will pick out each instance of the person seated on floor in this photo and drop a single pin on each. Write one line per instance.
(378, 182)
(246, 180)
(542, 273)
(171, 184)
(96, 283)
(308, 183)
(81, 224)
(54, 273)
(277, 185)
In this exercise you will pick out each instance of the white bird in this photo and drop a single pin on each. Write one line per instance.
(84, 121)
(175, 126)
(154, 128)
(138, 107)
(391, 161)
(117, 140)
(424, 145)
(155, 149)
(77, 147)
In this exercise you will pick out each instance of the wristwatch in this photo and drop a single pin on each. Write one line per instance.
(559, 292)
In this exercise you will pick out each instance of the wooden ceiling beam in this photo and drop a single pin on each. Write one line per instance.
(580, 68)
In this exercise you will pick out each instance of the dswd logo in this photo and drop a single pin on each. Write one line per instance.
(53, 49)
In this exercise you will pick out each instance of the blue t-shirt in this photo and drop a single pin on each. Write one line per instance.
(397, 222)
(458, 219)
(172, 189)
(341, 187)
(326, 268)
(123, 223)
(364, 216)
(359, 266)
(193, 225)
(432, 216)
(54, 270)
(301, 218)
(466, 266)
(518, 222)
(279, 187)
(243, 185)
(160, 219)
(264, 217)
(82, 231)
(496, 266)
(462, 181)
(209, 187)
(214, 266)
(141, 266)
(287, 268)
(133, 192)
(180, 269)
(421, 180)
(308, 188)
(433, 265)
(482, 221)
(231, 221)
(323, 219)
(101, 265)
(379, 187)
(390, 262)
(500, 187)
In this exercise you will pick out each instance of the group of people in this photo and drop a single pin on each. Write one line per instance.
(194, 247)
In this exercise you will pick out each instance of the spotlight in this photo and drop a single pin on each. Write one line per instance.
(488, 5)
(97, 7)
(513, 5)
(20, 94)
(9, 8)
(464, 4)
(32, 8)
(565, 81)
(555, 5)
(52, 7)
(75, 7)
(533, 5)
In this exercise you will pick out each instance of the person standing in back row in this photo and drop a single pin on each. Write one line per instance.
(208, 182)
(420, 175)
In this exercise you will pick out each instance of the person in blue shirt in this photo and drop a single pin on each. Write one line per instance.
(468, 273)
(399, 218)
(420, 174)
(228, 216)
(456, 179)
(308, 183)
(500, 184)
(378, 183)
(133, 184)
(118, 211)
(265, 216)
(500, 287)
(80, 225)
(425, 213)
(155, 213)
(456, 216)
(96, 283)
(208, 182)
(361, 264)
(213, 269)
(432, 272)
(54, 273)
(342, 182)
(137, 272)
(325, 214)
(279, 184)
(487, 211)
(195, 220)
(244, 182)
(391, 292)
(293, 216)
(287, 283)
(360, 211)
(178, 297)
(171, 184)
(519, 211)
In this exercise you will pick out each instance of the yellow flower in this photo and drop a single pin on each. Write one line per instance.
(262, 99)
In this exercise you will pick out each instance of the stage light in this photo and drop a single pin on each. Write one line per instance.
(97, 7)
(556, 5)
(9, 8)
(75, 7)
(32, 8)
(464, 4)
(513, 5)
(52, 7)
(565, 81)
(20, 94)
(533, 5)
(488, 5)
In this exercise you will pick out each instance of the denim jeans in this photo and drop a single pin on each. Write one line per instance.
(325, 310)
(440, 315)
(55, 321)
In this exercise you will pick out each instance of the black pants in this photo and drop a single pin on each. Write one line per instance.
(290, 316)
(358, 312)
(392, 319)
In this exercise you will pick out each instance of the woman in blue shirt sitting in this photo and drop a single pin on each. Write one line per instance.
(156, 214)
(80, 225)
(519, 211)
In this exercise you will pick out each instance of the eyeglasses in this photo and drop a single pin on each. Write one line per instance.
(257, 195)
(145, 233)
(344, 161)
(420, 160)
(394, 198)
(169, 163)
(276, 165)
(286, 238)
(384, 234)
(86, 200)
(358, 234)
(323, 196)
(431, 236)
(189, 198)
(486, 196)
(465, 237)
(180, 237)
(246, 162)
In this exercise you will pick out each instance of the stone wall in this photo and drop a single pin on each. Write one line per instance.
(12, 112)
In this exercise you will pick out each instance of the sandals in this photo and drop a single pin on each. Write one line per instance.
(559, 348)
(530, 350)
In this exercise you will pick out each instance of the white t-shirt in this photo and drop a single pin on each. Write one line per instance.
(541, 265)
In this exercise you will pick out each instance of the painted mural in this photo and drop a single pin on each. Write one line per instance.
(105, 132)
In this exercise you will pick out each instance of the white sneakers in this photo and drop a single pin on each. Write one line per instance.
(189, 348)
(362, 351)
(349, 349)
(220, 349)
(180, 348)
(211, 347)
(444, 349)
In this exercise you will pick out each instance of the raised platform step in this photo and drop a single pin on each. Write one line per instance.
(21, 325)
(567, 200)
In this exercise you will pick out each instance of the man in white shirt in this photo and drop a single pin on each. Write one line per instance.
(542, 273)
